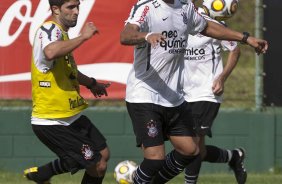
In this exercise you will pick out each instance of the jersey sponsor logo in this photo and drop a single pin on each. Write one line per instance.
(87, 152)
(172, 43)
(152, 128)
(144, 13)
(74, 103)
(45, 84)
(193, 51)
(195, 54)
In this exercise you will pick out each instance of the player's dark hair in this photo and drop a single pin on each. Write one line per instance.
(58, 3)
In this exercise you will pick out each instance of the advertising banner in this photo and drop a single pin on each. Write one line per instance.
(101, 57)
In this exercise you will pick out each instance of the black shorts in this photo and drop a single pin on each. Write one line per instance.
(203, 113)
(152, 124)
(78, 144)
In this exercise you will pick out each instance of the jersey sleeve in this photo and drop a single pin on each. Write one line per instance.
(49, 33)
(139, 15)
(196, 23)
(228, 45)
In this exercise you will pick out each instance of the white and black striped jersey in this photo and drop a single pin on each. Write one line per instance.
(155, 75)
(203, 64)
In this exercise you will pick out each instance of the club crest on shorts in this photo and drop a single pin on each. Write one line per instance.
(87, 152)
(152, 128)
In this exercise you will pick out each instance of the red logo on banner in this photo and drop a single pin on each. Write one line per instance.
(101, 57)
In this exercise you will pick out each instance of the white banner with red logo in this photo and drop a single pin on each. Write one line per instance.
(102, 57)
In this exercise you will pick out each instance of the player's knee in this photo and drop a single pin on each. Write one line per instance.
(100, 168)
(102, 165)
(189, 151)
(105, 154)
(203, 149)
(194, 151)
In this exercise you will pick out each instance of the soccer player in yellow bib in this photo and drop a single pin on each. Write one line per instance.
(57, 118)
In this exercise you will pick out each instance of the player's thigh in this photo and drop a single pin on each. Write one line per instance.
(180, 121)
(154, 152)
(99, 168)
(89, 132)
(56, 138)
(203, 115)
(185, 145)
(147, 121)
(73, 143)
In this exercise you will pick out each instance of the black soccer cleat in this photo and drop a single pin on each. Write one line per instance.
(237, 165)
(31, 174)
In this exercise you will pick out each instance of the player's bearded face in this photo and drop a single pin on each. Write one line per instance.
(69, 13)
(69, 20)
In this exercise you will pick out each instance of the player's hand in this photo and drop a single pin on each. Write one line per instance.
(89, 30)
(155, 38)
(218, 86)
(100, 89)
(259, 45)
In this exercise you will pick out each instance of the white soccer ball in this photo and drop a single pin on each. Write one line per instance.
(220, 9)
(125, 172)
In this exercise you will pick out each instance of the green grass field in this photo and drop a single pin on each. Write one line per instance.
(267, 178)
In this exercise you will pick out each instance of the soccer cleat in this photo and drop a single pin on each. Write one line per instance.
(237, 165)
(31, 174)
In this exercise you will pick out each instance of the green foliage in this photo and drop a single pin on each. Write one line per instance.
(240, 86)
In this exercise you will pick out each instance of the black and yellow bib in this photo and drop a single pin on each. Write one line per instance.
(55, 94)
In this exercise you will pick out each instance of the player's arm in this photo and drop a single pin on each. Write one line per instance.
(98, 89)
(232, 60)
(220, 32)
(132, 36)
(61, 48)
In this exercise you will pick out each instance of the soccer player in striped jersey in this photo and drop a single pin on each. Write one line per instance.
(153, 95)
(159, 29)
(204, 78)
